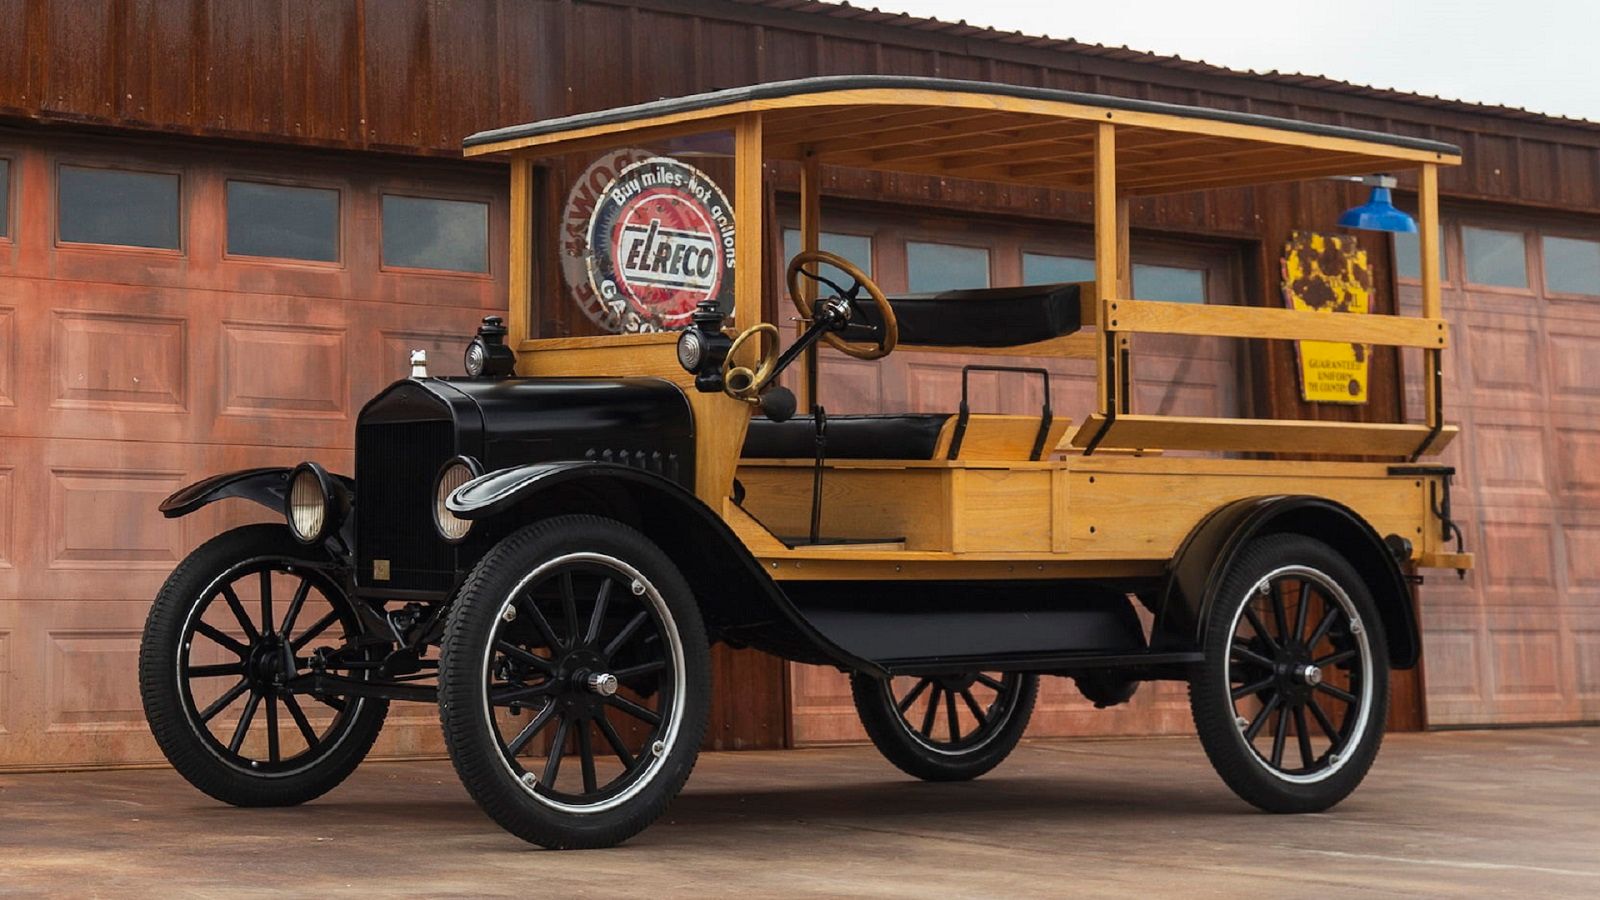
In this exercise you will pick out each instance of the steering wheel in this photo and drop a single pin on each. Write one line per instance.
(888, 333)
(740, 382)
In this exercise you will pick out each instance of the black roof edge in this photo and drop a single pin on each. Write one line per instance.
(824, 83)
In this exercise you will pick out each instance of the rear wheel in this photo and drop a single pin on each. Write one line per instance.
(234, 624)
(946, 727)
(574, 682)
(1290, 701)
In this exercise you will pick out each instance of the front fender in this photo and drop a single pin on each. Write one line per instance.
(1205, 557)
(741, 603)
(266, 486)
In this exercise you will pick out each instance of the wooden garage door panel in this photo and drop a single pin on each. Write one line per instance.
(1578, 461)
(1573, 354)
(126, 373)
(1585, 628)
(114, 361)
(286, 371)
(1497, 350)
(1519, 556)
(69, 692)
(1515, 642)
(1510, 460)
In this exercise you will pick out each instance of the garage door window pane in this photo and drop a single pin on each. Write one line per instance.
(1497, 258)
(1043, 268)
(945, 267)
(284, 222)
(113, 206)
(1169, 283)
(1571, 266)
(5, 198)
(857, 248)
(1408, 256)
(424, 233)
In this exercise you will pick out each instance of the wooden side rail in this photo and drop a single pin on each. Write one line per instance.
(1262, 435)
(1159, 317)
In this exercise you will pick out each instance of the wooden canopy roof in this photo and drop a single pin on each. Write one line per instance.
(999, 133)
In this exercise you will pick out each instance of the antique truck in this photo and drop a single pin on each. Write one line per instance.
(640, 464)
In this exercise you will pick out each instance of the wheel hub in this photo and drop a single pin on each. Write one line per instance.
(1296, 674)
(268, 661)
(580, 676)
(602, 683)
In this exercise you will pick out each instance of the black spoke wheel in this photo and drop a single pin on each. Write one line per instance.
(1291, 699)
(574, 682)
(946, 727)
(233, 625)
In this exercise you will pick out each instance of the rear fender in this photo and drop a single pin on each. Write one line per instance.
(1210, 550)
(741, 603)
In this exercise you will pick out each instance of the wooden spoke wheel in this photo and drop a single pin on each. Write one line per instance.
(574, 682)
(1291, 700)
(234, 625)
(946, 727)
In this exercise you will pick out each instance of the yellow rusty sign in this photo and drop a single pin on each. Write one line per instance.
(1328, 273)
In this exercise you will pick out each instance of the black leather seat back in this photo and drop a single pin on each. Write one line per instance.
(849, 437)
(986, 317)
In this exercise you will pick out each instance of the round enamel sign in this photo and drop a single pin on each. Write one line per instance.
(660, 241)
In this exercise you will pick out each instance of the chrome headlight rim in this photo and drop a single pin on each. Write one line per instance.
(691, 350)
(456, 471)
(476, 358)
(309, 504)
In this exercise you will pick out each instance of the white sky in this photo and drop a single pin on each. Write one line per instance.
(1540, 54)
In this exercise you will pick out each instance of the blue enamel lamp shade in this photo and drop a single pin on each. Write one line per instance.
(1378, 214)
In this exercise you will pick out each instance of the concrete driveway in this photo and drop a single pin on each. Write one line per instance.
(1455, 813)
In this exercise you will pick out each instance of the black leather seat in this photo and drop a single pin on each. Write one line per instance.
(984, 317)
(849, 437)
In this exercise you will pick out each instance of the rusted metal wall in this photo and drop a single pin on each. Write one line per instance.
(415, 76)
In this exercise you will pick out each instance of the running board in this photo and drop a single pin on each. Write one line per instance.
(1049, 663)
(1039, 625)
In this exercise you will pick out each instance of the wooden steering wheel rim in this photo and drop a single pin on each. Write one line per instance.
(891, 328)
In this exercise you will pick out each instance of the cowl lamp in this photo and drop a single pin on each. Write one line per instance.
(1379, 212)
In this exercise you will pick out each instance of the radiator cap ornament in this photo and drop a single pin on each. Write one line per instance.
(419, 364)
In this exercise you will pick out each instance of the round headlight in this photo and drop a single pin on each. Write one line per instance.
(308, 507)
(476, 357)
(455, 473)
(691, 350)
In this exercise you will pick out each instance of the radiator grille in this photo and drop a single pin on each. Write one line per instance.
(396, 463)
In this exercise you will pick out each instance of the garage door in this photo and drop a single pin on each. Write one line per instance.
(166, 313)
(1181, 376)
(1518, 641)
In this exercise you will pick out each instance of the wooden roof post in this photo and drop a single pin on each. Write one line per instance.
(1124, 291)
(519, 312)
(1428, 243)
(810, 239)
(1107, 267)
(747, 213)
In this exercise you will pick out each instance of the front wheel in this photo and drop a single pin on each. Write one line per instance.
(1290, 700)
(946, 727)
(236, 623)
(574, 682)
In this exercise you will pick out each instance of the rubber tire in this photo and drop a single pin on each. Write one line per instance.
(473, 749)
(163, 704)
(890, 734)
(1209, 695)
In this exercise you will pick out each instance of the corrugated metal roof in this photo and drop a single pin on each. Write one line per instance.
(961, 29)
